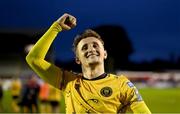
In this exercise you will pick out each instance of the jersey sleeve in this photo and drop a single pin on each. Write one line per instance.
(132, 100)
(36, 58)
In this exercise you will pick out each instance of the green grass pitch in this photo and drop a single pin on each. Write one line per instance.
(162, 100)
(158, 100)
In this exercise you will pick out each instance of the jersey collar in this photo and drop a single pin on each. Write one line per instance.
(97, 78)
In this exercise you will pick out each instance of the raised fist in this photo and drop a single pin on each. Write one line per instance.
(67, 21)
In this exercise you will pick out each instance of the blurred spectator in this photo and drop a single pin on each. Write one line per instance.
(172, 80)
(15, 92)
(1, 97)
(24, 98)
(43, 97)
(54, 99)
(29, 99)
(33, 91)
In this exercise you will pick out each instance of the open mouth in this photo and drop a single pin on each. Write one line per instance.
(91, 55)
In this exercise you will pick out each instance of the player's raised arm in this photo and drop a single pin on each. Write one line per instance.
(36, 57)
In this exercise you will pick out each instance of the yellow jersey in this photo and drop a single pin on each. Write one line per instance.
(111, 94)
(54, 94)
(16, 87)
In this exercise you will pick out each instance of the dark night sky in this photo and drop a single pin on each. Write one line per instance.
(153, 26)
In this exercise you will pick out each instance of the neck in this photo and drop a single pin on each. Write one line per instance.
(92, 71)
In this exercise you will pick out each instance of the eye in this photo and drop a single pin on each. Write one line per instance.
(95, 45)
(85, 47)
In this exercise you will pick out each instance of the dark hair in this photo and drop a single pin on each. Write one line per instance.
(85, 34)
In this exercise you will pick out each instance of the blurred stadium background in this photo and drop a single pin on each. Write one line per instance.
(23, 22)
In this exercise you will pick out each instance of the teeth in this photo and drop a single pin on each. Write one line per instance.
(90, 55)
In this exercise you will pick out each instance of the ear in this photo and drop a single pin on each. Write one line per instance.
(78, 61)
(105, 54)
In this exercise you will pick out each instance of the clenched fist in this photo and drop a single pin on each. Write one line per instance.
(67, 21)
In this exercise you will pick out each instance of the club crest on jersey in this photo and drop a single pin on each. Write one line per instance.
(106, 91)
(130, 84)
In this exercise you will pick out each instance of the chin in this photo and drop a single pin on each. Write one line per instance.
(93, 62)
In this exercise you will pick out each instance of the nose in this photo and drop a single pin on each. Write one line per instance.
(91, 48)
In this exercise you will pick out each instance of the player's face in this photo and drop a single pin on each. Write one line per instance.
(90, 51)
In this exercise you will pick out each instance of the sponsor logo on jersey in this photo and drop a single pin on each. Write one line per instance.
(130, 84)
(106, 91)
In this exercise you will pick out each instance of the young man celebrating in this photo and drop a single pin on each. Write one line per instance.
(93, 91)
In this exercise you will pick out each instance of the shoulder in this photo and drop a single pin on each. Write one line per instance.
(73, 75)
(121, 77)
(123, 80)
(68, 77)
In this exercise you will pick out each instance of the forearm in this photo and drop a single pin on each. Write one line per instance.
(41, 48)
(36, 56)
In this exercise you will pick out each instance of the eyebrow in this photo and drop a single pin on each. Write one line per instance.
(95, 43)
(84, 46)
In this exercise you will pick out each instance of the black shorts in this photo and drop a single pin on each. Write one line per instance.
(15, 97)
(44, 101)
(54, 103)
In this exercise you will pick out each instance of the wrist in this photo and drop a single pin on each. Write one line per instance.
(57, 26)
